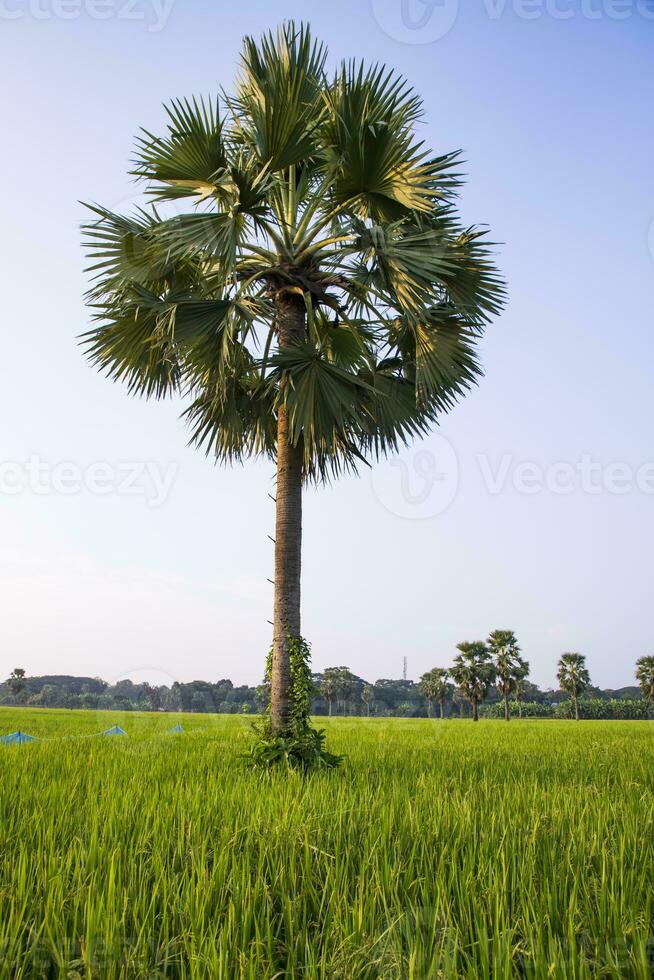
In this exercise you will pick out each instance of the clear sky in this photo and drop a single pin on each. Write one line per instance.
(531, 509)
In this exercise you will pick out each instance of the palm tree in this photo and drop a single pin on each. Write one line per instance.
(510, 667)
(434, 687)
(368, 696)
(344, 685)
(645, 677)
(328, 687)
(426, 686)
(319, 302)
(474, 673)
(573, 677)
(16, 681)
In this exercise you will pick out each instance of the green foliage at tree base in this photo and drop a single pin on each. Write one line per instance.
(297, 749)
(301, 746)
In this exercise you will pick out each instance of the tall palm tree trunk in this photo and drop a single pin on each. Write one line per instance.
(576, 701)
(507, 715)
(442, 709)
(475, 709)
(288, 533)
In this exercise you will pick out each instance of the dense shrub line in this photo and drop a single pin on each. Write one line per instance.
(605, 709)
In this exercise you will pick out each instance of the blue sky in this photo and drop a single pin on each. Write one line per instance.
(551, 104)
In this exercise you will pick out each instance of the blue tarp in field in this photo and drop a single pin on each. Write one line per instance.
(176, 729)
(16, 738)
(116, 730)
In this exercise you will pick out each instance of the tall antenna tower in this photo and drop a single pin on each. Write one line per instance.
(404, 668)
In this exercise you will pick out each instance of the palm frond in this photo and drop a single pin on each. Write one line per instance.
(379, 168)
(128, 346)
(191, 160)
(211, 237)
(318, 395)
(278, 96)
(234, 418)
(123, 251)
(439, 355)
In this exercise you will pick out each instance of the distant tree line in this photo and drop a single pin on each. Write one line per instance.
(486, 679)
(64, 691)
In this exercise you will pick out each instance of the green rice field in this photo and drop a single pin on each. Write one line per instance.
(439, 849)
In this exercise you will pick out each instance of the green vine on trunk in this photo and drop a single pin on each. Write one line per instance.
(300, 746)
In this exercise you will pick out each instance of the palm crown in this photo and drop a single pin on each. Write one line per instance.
(510, 665)
(572, 673)
(434, 686)
(309, 190)
(473, 672)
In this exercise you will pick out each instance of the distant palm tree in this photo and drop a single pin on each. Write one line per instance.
(510, 667)
(645, 677)
(473, 672)
(368, 696)
(328, 686)
(434, 687)
(16, 682)
(319, 304)
(344, 685)
(573, 677)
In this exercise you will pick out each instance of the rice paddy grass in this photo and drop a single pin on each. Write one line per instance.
(439, 849)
